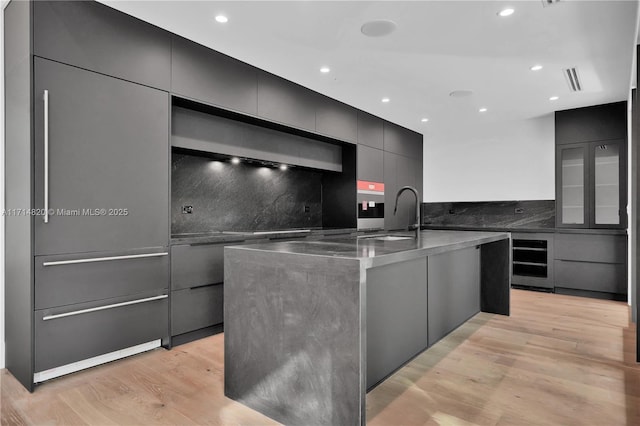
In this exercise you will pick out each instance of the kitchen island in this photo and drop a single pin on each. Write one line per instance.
(310, 326)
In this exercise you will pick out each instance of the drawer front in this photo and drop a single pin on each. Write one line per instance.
(604, 277)
(591, 248)
(92, 329)
(196, 308)
(196, 265)
(66, 280)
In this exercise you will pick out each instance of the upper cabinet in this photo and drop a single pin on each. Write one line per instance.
(400, 140)
(336, 119)
(370, 130)
(596, 123)
(287, 103)
(591, 190)
(93, 36)
(200, 73)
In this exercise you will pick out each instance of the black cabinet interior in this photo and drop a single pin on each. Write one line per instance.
(530, 258)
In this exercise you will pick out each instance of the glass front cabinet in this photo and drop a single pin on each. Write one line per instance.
(591, 189)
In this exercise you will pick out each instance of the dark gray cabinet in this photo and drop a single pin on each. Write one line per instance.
(93, 36)
(200, 73)
(400, 171)
(336, 119)
(591, 188)
(370, 130)
(196, 308)
(391, 186)
(595, 123)
(73, 333)
(281, 101)
(453, 290)
(591, 265)
(396, 309)
(370, 164)
(108, 161)
(71, 279)
(400, 140)
(197, 275)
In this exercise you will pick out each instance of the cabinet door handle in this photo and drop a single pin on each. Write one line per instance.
(103, 259)
(45, 100)
(102, 308)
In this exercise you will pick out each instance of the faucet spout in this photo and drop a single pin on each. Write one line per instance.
(416, 225)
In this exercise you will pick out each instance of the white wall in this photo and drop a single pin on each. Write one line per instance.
(491, 162)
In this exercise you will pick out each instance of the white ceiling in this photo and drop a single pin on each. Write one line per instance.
(438, 47)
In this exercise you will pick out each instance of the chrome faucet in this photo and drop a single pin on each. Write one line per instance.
(415, 226)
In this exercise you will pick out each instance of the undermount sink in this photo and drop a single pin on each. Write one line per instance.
(389, 237)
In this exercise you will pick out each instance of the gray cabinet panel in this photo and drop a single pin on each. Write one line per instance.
(90, 35)
(108, 149)
(603, 277)
(284, 102)
(210, 133)
(400, 140)
(66, 284)
(18, 278)
(370, 164)
(396, 309)
(595, 123)
(591, 248)
(196, 308)
(336, 119)
(196, 265)
(200, 73)
(391, 221)
(406, 203)
(61, 341)
(453, 289)
(370, 130)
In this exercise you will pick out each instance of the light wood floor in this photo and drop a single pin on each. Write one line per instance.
(558, 360)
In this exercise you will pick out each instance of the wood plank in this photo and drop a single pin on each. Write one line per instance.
(556, 360)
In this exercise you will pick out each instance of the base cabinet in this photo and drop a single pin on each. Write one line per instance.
(591, 265)
(196, 308)
(454, 290)
(197, 302)
(396, 316)
(77, 332)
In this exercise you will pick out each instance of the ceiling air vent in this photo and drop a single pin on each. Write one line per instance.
(546, 3)
(573, 79)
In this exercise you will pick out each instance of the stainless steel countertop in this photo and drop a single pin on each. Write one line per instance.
(372, 252)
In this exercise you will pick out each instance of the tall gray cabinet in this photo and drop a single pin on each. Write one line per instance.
(87, 203)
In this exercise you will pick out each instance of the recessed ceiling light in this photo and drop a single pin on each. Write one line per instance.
(222, 19)
(325, 70)
(424, 120)
(483, 109)
(554, 98)
(378, 28)
(235, 160)
(283, 167)
(385, 100)
(536, 68)
(506, 12)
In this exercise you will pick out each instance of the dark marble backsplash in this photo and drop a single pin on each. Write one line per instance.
(498, 214)
(242, 197)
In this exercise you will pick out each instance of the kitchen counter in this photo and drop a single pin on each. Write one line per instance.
(213, 237)
(373, 252)
(310, 326)
(600, 231)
